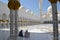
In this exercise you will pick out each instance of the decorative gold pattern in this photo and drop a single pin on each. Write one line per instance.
(53, 1)
(14, 5)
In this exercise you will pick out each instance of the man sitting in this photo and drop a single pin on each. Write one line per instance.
(21, 33)
(27, 34)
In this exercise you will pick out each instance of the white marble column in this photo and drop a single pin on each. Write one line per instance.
(55, 21)
(16, 25)
(11, 25)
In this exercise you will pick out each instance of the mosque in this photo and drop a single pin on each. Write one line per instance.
(25, 16)
(47, 17)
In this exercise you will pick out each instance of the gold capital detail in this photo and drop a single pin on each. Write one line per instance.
(53, 1)
(14, 5)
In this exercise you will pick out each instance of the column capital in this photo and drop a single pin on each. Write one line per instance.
(59, 0)
(14, 5)
(52, 1)
(13, 0)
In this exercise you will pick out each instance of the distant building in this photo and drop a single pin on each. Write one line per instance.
(25, 16)
(48, 16)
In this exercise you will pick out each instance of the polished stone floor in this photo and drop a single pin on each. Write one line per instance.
(4, 35)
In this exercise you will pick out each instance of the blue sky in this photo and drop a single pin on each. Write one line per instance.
(33, 5)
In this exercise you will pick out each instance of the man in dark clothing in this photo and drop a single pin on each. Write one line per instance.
(21, 33)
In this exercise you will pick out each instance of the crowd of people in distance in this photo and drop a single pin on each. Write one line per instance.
(27, 34)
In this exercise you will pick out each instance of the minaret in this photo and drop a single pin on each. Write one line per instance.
(40, 8)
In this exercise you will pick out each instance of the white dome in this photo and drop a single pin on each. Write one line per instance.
(49, 10)
(27, 10)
